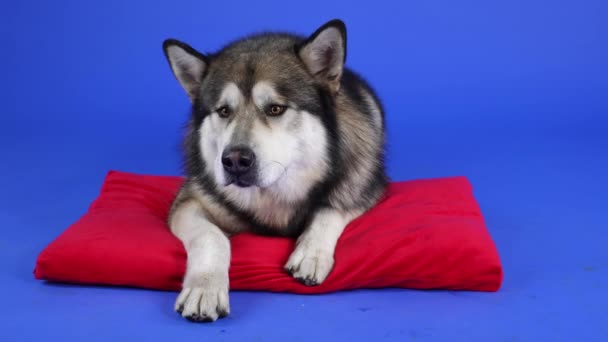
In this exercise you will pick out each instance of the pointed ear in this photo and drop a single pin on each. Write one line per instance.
(324, 53)
(187, 64)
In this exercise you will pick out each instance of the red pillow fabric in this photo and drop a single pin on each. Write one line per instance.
(424, 234)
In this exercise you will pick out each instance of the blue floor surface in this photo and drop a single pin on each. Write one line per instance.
(513, 95)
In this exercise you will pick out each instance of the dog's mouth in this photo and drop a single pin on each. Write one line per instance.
(240, 181)
(262, 178)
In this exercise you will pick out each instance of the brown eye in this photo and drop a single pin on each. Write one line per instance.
(223, 111)
(275, 110)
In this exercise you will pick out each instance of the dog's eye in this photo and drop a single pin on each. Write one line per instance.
(275, 110)
(223, 111)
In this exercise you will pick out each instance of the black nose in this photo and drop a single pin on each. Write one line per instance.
(238, 160)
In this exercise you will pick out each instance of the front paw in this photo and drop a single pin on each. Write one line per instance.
(204, 300)
(310, 264)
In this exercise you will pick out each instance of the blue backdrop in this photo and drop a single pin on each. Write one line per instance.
(512, 94)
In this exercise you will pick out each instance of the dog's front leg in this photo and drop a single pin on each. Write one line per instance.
(313, 257)
(204, 295)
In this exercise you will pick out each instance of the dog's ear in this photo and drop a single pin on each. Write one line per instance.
(324, 53)
(187, 64)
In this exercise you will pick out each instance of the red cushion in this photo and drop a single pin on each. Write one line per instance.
(425, 234)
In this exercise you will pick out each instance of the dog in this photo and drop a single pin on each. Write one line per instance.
(282, 140)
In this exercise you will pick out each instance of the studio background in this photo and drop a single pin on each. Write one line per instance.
(512, 94)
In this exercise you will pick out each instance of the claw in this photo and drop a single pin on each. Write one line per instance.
(308, 281)
(193, 318)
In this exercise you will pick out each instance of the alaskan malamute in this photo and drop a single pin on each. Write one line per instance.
(282, 140)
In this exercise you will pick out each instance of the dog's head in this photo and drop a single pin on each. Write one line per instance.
(260, 107)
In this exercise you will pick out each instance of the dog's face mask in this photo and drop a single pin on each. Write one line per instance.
(259, 106)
